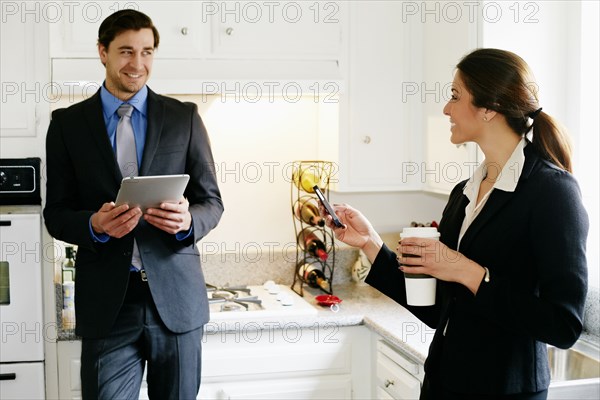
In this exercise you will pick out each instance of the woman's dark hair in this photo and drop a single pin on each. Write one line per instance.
(502, 81)
(125, 20)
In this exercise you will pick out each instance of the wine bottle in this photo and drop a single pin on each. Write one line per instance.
(68, 265)
(314, 277)
(313, 244)
(305, 210)
(306, 180)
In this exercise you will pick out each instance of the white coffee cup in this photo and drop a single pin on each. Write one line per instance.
(420, 288)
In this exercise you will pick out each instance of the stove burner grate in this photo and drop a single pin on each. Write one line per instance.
(231, 298)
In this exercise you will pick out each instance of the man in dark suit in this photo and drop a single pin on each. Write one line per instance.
(140, 291)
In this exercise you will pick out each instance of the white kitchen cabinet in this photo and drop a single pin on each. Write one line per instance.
(372, 133)
(319, 362)
(74, 31)
(397, 375)
(289, 362)
(323, 387)
(309, 30)
(24, 76)
(69, 367)
(210, 47)
(452, 34)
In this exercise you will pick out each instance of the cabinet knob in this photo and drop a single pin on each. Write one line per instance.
(229, 31)
(388, 383)
(184, 31)
(367, 139)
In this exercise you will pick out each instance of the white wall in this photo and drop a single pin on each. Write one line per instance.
(254, 145)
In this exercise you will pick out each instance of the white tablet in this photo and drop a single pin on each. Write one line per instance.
(149, 191)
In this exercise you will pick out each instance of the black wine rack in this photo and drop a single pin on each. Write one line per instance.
(306, 174)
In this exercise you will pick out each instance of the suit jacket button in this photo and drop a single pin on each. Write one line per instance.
(127, 253)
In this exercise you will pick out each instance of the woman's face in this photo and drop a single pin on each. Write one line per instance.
(465, 119)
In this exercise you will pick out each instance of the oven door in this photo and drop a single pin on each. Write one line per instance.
(21, 320)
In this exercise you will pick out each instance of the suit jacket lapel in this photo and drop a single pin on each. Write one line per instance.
(498, 200)
(97, 129)
(451, 223)
(494, 204)
(156, 114)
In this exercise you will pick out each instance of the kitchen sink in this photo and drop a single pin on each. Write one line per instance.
(575, 372)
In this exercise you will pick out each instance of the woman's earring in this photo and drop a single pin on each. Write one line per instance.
(485, 119)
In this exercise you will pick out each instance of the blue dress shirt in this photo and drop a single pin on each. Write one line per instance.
(139, 122)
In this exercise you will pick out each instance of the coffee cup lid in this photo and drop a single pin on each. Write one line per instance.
(421, 231)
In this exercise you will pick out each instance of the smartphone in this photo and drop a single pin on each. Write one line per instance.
(328, 208)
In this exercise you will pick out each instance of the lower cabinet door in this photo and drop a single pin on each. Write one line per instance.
(69, 369)
(317, 388)
(306, 388)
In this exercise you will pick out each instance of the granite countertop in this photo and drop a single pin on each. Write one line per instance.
(361, 304)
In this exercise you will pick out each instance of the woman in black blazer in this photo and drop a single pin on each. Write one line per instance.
(510, 264)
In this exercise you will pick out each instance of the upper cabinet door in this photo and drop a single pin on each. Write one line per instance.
(277, 30)
(75, 33)
(376, 138)
(450, 32)
(26, 89)
(210, 46)
(17, 71)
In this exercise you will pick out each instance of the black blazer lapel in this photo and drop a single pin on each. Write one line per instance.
(97, 129)
(156, 117)
(453, 215)
(498, 199)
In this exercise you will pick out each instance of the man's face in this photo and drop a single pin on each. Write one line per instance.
(128, 61)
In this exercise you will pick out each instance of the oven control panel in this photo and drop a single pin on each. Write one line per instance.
(20, 181)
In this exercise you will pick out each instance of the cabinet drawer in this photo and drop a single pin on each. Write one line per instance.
(381, 394)
(412, 367)
(394, 380)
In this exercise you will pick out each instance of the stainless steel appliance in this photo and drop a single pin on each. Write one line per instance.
(21, 317)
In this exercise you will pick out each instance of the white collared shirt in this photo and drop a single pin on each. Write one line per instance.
(507, 181)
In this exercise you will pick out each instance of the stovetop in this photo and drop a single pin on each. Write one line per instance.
(268, 300)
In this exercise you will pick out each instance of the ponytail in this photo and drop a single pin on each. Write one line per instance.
(551, 141)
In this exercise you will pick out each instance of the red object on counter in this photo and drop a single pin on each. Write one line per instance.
(328, 299)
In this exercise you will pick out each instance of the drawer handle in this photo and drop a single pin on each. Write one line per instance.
(229, 31)
(8, 377)
(388, 383)
(184, 31)
(5, 223)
